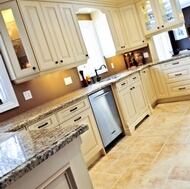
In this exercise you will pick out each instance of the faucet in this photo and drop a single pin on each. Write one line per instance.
(96, 72)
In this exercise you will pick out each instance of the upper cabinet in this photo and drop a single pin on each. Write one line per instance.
(22, 62)
(132, 27)
(54, 34)
(159, 15)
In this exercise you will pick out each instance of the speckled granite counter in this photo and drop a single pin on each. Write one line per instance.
(22, 151)
(53, 106)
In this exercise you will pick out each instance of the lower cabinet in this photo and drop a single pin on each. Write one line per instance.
(132, 102)
(148, 85)
(91, 142)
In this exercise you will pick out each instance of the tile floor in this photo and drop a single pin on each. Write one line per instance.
(157, 156)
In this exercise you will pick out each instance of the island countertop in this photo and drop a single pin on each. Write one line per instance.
(22, 151)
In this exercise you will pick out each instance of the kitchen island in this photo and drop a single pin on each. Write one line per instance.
(36, 159)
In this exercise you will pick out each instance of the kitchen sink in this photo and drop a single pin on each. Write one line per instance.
(111, 78)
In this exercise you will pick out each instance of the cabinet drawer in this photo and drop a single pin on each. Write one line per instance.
(177, 75)
(48, 122)
(135, 77)
(122, 84)
(73, 110)
(179, 89)
(176, 63)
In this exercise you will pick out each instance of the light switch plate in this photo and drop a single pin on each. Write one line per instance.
(146, 55)
(68, 80)
(27, 95)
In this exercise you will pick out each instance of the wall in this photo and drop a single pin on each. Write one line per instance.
(183, 43)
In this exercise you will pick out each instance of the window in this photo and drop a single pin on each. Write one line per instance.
(96, 58)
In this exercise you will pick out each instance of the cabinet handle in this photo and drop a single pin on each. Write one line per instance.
(123, 84)
(73, 109)
(56, 62)
(122, 47)
(178, 74)
(34, 68)
(175, 63)
(61, 61)
(77, 119)
(43, 125)
(134, 78)
(182, 88)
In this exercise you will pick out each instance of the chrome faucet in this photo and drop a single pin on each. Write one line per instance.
(96, 72)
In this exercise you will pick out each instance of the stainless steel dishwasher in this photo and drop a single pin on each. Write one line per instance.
(106, 114)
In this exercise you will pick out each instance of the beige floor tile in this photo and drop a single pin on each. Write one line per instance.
(180, 173)
(177, 184)
(145, 158)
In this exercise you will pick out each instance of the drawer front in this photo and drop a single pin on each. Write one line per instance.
(179, 89)
(48, 122)
(177, 75)
(73, 110)
(135, 77)
(123, 84)
(176, 63)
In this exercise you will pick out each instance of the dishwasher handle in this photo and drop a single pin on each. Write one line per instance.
(101, 95)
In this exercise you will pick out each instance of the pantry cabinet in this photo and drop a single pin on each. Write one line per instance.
(22, 62)
(148, 85)
(54, 34)
(132, 27)
(132, 101)
(159, 15)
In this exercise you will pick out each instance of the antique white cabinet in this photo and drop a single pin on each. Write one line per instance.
(132, 101)
(148, 85)
(81, 113)
(22, 62)
(159, 82)
(54, 34)
(132, 27)
(159, 15)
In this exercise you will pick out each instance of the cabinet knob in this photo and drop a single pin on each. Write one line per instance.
(56, 62)
(133, 87)
(158, 27)
(61, 61)
(143, 41)
(163, 26)
(34, 68)
(86, 55)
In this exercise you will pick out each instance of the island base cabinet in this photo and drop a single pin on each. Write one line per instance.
(65, 169)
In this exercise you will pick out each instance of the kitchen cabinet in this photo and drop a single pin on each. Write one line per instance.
(159, 82)
(159, 15)
(81, 113)
(177, 76)
(148, 85)
(22, 62)
(132, 101)
(132, 27)
(117, 30)
(54, 33)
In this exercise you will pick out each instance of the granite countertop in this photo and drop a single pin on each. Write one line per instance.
(22, 151)
(47, 109)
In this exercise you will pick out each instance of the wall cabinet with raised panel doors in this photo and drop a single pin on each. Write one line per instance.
(81, 113)
(21, 60)
(132, 101)
(54, 33)
(131, 23)
(148, 86)
(159, 15)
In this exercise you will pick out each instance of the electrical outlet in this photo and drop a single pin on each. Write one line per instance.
(27, 95)
(112, 65)
(146, 55)
(68, 80)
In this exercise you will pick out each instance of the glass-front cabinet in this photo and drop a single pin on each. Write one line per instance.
(22, 60)
(159, 15)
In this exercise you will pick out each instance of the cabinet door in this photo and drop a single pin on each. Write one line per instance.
(128, 105)
(159, 82)
(91, 141)
(157, 16)
(16, 41)
(148, 85)
(38, 32)
(132, 26)
(116, 28)
(58, 32)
